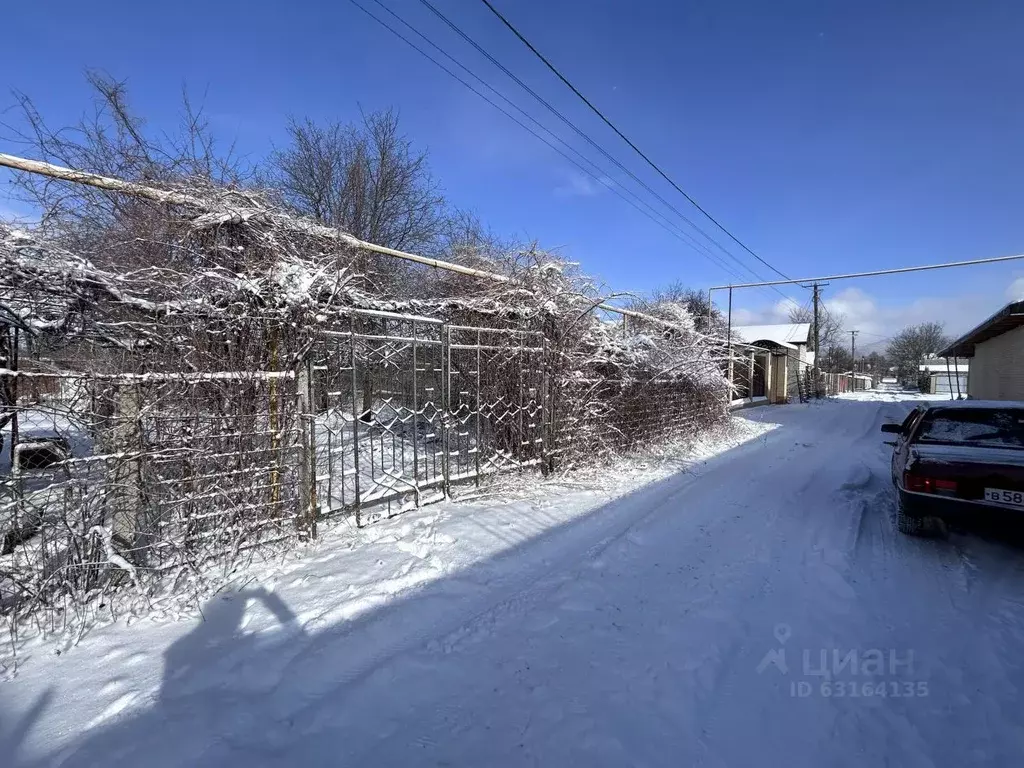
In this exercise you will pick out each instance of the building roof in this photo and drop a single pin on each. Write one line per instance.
(781, 333)
(1006, 319)
(999, 405)
(938, 367)
(779, 344)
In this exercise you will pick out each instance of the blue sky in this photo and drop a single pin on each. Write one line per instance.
(827, 136)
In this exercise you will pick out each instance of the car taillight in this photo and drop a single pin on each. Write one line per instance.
(922, 484)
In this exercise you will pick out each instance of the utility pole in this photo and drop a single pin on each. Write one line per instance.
(728, 335)
(853, 349)
(817, 342)
(711, 308)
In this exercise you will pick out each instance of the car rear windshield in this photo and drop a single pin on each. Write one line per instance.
(998, 427)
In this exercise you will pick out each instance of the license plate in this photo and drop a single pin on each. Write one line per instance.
(1010, 498)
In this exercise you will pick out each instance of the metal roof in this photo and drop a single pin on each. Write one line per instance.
(1006, 319)
(781, 333)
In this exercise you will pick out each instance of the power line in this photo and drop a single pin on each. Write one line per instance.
(607, 182)
(547, 105)
(878, 339)
(877, 272)
(623, 136)
(646, 209)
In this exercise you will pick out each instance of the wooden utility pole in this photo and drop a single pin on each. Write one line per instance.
(853, 349)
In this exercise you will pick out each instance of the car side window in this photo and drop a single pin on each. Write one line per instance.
(910, 421)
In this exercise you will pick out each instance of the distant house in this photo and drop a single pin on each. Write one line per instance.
(943, 377)
(995, 350)
(777, 356)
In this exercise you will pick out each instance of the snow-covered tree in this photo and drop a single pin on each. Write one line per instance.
(909, 348)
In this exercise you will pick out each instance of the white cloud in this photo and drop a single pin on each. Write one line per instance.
(1016, 290)
(578, 185)
(748, 317)
(877, 322)
(776, 313)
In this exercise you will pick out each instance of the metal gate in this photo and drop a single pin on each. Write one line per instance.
(403, 406)
(495, 406)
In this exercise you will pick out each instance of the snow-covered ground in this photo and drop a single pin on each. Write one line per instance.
(686, 622)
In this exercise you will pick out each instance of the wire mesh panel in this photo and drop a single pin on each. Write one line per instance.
(378, 388)
(403, 406)
(154, 471)
(332, 416)
(495, 400)
(219, 466)
(47, 463)
(604, 416)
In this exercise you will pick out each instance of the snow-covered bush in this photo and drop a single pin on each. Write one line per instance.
(190, 330)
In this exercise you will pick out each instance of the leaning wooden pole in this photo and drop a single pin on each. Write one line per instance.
(223, 212)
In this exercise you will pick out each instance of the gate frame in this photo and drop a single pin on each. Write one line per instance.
(446, 423)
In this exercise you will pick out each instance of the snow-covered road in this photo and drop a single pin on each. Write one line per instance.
(688, 623)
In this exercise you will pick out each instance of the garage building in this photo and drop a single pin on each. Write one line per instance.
(996, 353)
(944, 378)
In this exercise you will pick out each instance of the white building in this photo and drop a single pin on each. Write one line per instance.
(944, 377)
(777, 356)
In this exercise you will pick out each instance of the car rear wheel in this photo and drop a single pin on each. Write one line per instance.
(919, 525)
(911, 526)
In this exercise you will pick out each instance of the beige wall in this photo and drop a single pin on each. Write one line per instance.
(796, 370)
(997, 368)
(779, 388)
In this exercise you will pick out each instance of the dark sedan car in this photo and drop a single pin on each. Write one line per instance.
(957, 460)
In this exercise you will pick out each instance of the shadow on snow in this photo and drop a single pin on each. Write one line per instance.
(292, 698)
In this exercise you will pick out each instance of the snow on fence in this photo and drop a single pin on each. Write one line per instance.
(383, 412)
(234, 387)
(129, 474)
(403, 407)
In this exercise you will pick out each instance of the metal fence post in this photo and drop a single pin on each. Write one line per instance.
(446, 406)
(328, 435)
(476, 417)
(542, 413)
(355, 421)
(520, 451)
(314, 496)
(415, 422)
(307, 455)
(550, 398)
